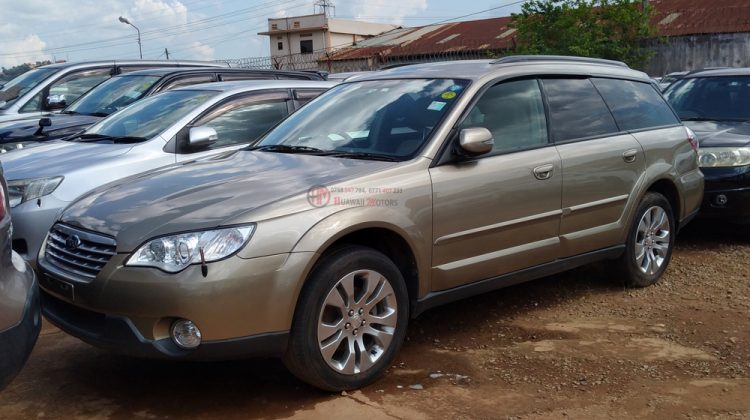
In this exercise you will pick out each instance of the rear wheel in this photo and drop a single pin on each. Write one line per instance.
(650, 242)
(350, 320)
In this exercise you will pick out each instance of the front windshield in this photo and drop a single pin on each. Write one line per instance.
(23, 83)
(724, 98)
(148, 118)
(112, 95)
(386, 118)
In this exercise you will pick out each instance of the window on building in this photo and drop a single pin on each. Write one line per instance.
(280, 45)
(274, 26)
(306, 46)
(296, 24)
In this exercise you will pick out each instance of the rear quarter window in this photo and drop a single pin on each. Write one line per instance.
(635, 105)
(576, 110)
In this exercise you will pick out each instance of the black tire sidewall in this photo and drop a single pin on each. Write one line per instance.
(632, 274)
(303, 355)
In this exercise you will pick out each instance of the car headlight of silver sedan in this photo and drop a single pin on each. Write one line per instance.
(23, 190)
(723, 157)
(176, 252)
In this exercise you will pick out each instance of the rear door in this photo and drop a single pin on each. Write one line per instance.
(500, 212)
(238, 121)
(601, 165)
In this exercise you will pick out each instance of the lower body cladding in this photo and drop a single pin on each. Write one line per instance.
(727, 195)
(241, 308)
(17, 341)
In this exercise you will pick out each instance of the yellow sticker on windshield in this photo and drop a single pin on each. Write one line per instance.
(448, 95)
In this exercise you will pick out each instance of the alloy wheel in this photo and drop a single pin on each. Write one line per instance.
(652, 240)
(357, 322)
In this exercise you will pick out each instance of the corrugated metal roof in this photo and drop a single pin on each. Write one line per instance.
(695, 17)
(673, 18)
(485, 34)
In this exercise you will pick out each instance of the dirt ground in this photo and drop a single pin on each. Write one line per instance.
(573, 345)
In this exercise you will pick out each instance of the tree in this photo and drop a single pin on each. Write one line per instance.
(12, 72)
(611, 29)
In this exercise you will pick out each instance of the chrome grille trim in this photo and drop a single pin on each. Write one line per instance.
(87, 259)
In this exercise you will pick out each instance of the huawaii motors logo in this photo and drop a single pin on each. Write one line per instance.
(318, 196)
(321, 196)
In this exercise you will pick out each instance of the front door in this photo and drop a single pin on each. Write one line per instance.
(500, 212)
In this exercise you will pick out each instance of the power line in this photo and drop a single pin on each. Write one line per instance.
(154, 34)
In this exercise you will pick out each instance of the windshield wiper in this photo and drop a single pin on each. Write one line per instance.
(715, 119)
(284, 148)
(364, 155)
(113, 139)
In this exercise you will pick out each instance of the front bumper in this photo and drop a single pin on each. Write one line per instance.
(727, 195)
(31, 222)
(17, 342)
(243, 307)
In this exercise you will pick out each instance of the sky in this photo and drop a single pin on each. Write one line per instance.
(77, 30)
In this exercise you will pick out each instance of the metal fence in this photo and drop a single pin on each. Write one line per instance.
(353, 59)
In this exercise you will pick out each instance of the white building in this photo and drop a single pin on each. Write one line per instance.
(293, 37)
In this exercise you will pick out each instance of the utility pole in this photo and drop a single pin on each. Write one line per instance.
(166, 52)
(326, 7)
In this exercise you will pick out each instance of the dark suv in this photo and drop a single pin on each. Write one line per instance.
(121, 91)
(716, 105)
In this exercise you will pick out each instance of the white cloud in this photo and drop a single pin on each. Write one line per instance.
(201, 51)
(20, 51)
(385, 8)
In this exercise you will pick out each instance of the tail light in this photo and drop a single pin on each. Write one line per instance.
(3, 208)
(693, 139)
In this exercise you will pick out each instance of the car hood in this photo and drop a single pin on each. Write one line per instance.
(721, 133)
(57, 158)
(205, 193)
(62, 125)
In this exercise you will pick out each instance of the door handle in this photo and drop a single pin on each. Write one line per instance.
(543, 172)
(630, 155)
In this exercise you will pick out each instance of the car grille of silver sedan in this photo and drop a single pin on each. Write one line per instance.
(78, 252)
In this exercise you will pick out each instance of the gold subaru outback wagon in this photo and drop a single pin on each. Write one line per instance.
(388, 195)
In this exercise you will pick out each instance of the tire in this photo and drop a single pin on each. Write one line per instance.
(379, 328)
(653, 228)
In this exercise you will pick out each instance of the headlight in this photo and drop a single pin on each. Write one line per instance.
(23, 190)
(174, 253)
(718, 157)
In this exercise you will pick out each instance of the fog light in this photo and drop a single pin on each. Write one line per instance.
(721, 199)
(186, 334)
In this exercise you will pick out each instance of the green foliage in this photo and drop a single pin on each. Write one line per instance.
(611, 29)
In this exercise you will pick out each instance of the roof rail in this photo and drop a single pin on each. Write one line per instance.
(567, 58)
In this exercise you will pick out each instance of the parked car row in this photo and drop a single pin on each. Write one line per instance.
(227, 220)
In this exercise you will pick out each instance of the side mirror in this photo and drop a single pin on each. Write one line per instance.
(476, 141)
(55, 102)
(200, 137)
(43, 122)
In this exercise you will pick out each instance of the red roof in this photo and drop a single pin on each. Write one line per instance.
(695, 17)
(672, 18)
(485, 34)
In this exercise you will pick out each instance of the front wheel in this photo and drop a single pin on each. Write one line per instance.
(650, 242)
(350, 320)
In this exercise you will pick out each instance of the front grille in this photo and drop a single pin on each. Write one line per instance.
(78, 252)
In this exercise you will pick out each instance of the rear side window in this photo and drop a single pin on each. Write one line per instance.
(577, 110)
(635, 105)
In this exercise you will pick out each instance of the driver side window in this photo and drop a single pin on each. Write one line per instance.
(514, 113)
(243, 121)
